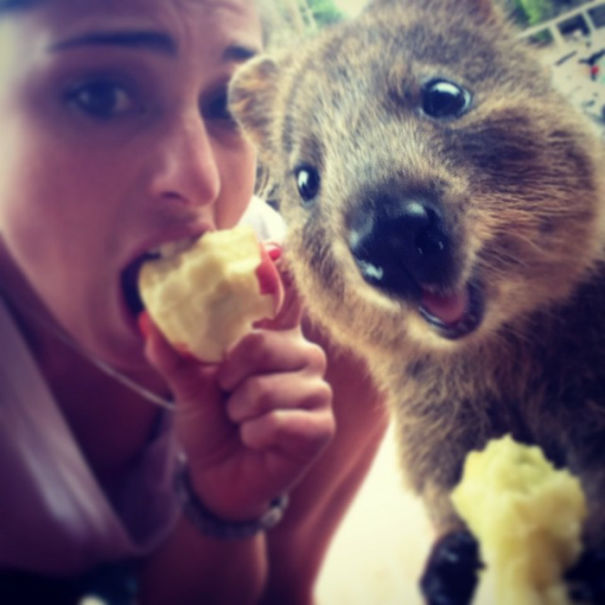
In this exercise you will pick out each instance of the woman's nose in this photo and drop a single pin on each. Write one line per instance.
(186, 168)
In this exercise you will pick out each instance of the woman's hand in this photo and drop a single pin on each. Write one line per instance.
(252, 425)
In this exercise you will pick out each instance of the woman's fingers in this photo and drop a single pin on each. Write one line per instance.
(264, 351)
(263, 394)
(291, 309)
(296, 434)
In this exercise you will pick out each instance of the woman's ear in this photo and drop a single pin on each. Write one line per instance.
(252, 99)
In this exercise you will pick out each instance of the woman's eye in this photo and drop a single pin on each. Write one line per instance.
(102, 99)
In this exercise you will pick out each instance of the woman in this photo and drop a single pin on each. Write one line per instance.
(115, 140)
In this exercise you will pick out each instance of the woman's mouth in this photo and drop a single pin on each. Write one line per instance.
(130, 282)
(130, 275)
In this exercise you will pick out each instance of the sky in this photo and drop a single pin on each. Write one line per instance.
(350, 6)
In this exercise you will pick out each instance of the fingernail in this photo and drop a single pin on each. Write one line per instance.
(273, 250)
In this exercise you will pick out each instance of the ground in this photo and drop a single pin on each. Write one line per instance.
(378, 554)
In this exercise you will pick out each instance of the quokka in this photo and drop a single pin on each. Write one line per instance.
(446, 216)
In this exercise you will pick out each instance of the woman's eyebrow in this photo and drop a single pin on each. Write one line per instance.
(152, 40)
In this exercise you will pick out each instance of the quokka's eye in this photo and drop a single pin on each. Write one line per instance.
(307, 181)
(444, 99)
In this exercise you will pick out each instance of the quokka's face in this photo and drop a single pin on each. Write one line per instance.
(435, 187)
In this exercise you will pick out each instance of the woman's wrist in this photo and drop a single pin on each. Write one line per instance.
(213, 525)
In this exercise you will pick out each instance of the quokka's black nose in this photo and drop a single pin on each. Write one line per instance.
(399, 245)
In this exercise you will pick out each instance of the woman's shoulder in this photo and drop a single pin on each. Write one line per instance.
(55, 498)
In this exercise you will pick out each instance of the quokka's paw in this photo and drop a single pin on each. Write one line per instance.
(451, 572)
(586, 579)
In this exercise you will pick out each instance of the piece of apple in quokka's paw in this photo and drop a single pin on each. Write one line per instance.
(206, 297)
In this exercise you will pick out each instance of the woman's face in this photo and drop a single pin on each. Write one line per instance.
(115, 139)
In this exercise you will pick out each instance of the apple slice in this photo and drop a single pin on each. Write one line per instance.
(206, 297)
(527, 516)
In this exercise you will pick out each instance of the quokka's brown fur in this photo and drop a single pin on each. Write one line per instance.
(517, 180)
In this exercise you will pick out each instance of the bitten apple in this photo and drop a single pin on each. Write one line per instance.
(206, 297)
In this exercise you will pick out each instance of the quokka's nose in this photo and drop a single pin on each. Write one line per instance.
(399, 246)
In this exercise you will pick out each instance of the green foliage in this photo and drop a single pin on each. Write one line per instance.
(531, 12)
(324, 12)
(535, 11)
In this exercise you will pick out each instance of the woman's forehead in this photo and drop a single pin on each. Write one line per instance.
(179, 19)
(200, 10)
(212, 32)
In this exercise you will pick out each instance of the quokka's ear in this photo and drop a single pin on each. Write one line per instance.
(252, 96)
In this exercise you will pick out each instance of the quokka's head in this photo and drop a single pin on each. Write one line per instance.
(435, 185)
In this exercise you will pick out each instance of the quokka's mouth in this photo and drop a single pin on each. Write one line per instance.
(454, 314)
